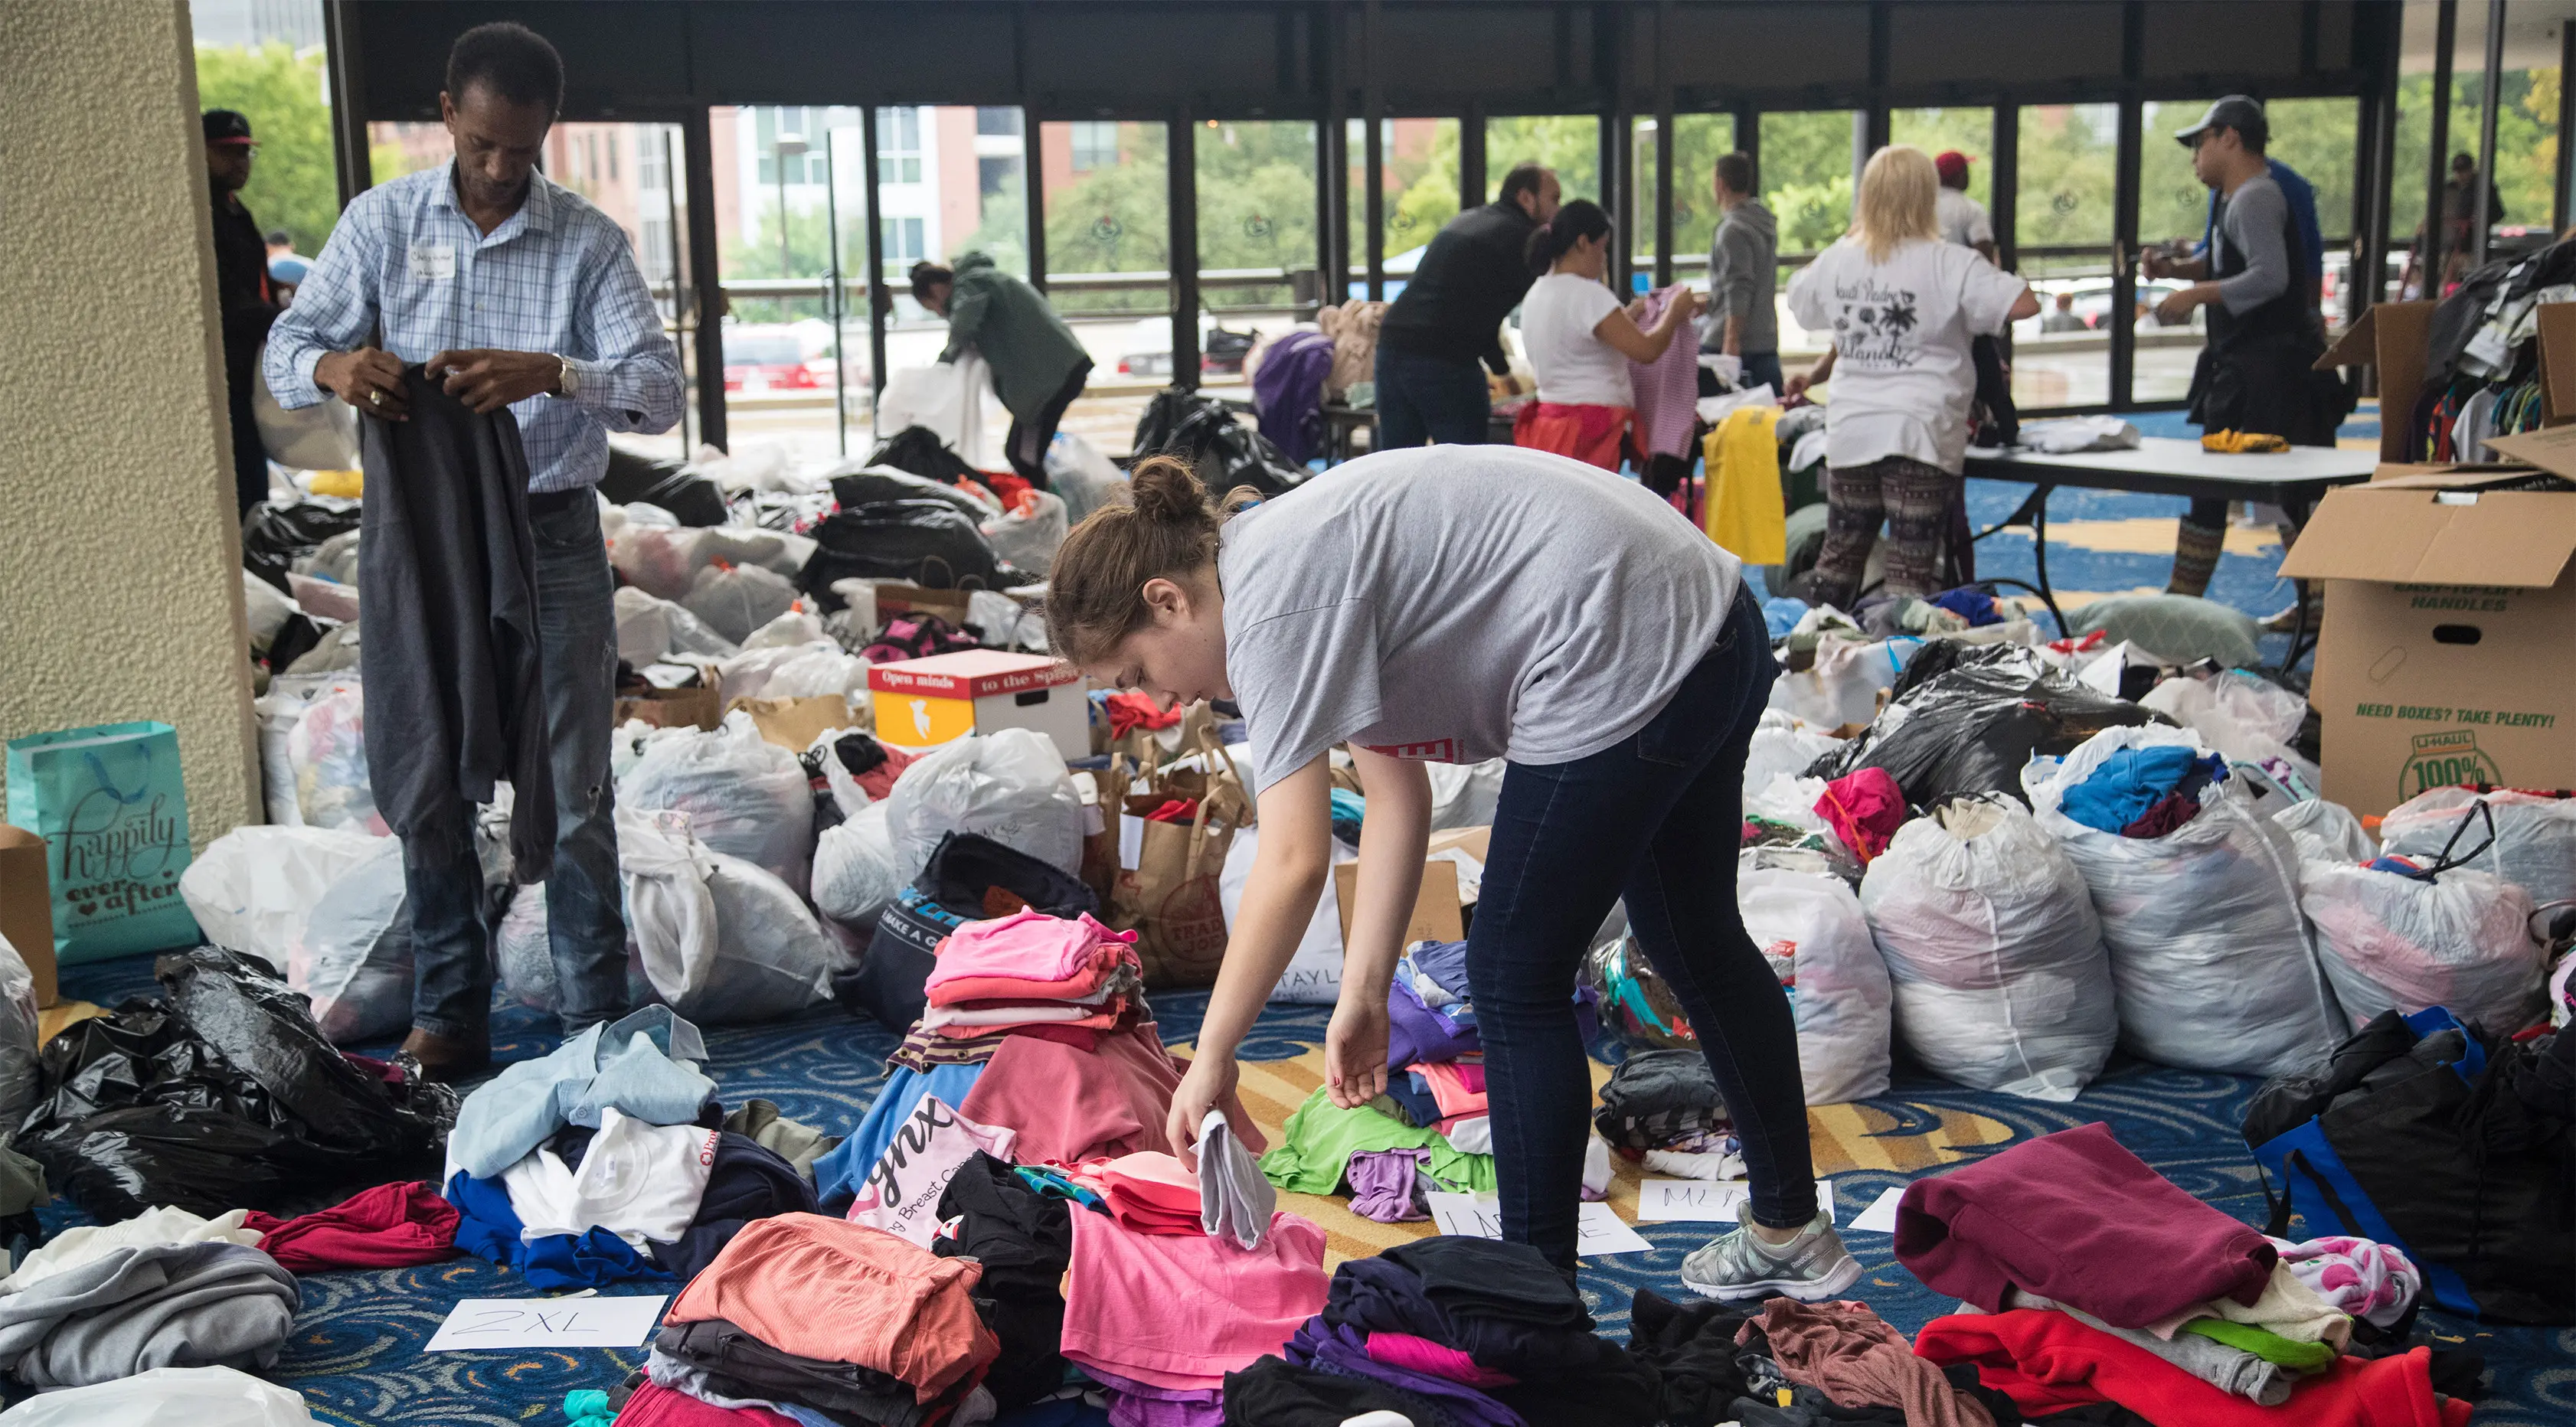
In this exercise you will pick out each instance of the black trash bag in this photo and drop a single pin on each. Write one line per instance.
(691, 498)
(919, 450)
(1968, 722)
(926, 542)
(969, 878)
(273, 535)
(222, 1096)
(877, 484)
(1207, 432)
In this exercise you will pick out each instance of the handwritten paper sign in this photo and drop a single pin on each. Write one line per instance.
(1597, 1229)
(480, 1323)
(1880, 1218)
(1712, 1201)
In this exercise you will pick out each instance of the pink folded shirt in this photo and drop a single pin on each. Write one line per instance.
(1126, 1295)
(1450, 1091)
(1028, 946)
(1113, 968)
(1403, 1350)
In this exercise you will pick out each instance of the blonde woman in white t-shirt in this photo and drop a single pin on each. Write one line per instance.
(1580, 340)
(1902, 306)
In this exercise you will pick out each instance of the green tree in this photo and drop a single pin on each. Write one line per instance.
(1806, 176)
(1970, 131)
(294, 183)
(1114, 219)
(1699, 141)
(1256, 187)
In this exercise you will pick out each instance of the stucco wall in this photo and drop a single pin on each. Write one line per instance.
(120, 592)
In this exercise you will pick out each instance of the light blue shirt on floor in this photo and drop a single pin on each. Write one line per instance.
(557, 276)
(645, 1065)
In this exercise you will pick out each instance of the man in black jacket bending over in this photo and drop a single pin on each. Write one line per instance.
(1450, 316)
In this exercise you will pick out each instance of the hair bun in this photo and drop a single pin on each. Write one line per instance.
(1167, 488)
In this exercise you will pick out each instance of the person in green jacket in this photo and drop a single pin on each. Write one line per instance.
(1039, 366)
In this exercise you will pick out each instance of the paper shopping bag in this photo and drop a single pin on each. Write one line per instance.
(110, 806)
(1169, 895)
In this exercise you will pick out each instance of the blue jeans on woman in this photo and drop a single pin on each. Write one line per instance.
(451, 920)
(1656, 819)
(1431, 399)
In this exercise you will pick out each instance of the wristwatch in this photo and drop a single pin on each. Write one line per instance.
(566, 382)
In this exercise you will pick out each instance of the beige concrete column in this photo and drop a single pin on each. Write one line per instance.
(120, 585)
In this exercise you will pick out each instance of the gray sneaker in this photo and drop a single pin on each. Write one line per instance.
(1812, 1267)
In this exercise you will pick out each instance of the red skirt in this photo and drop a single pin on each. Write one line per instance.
(1591, 434)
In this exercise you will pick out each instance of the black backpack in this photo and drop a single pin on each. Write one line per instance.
(919, 450)
(1205, 432)
(970, 878)
(2413, 1135)
(929, 543)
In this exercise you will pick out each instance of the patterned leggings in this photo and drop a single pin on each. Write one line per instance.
(1912, 497)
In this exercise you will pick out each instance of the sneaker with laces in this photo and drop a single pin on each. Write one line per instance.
(1811, 1268)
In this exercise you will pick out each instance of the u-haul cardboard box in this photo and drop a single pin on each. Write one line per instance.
(2448, 653)
(923, 703)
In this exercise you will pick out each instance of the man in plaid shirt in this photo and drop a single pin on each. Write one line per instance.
(510, 291)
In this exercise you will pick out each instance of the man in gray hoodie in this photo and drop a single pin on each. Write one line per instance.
(1743, 273)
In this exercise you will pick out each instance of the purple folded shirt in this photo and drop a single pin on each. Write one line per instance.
(1343, 1351)
(1418, 1035)
(1141, 1404)
(1382, 1183)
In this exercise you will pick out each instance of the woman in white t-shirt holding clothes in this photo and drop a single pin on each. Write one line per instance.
(1454, 604)
(1903, 306)
(1580, 340)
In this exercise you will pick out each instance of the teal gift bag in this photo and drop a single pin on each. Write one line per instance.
(109, 804)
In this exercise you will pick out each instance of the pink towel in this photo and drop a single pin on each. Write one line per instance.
(1667, 388)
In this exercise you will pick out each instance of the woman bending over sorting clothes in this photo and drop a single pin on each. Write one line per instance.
(1580, 340)
(1454, 604)
(1902, 305)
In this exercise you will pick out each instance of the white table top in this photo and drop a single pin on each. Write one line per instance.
(2182, 458)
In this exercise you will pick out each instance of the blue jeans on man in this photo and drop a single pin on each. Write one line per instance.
(1431, 399)
(1760, 367)
(452, 917)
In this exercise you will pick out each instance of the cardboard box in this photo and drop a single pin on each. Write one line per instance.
(1444, 906)
(2391, 337)
(672, 708)
(893, 600)
(27, 906)
(923, 703)
(794, 724)
(2449, 637)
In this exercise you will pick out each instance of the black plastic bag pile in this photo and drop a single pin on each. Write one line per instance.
(919, 450)
(220, 1094)
(926, 542)
(1206, 432)
(274, 535)
(1963, 719)
(692, 499)
(872, 485)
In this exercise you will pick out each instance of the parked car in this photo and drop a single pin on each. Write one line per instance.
(774, 358)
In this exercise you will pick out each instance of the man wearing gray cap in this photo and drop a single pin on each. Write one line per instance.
(2265, 332)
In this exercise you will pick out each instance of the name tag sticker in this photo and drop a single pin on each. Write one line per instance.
(433, 262)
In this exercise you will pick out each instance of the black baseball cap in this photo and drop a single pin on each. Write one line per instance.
(227, 126)
(2236, 111)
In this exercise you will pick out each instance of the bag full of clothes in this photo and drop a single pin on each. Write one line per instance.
(721, 941)
(2535, 835)
(667, 483)
(354, 957)
(1963, 720)
(18, 1037)
(734, 600)
(930, 543)
(2244, 716)
(969, 878)
(274, 535)
(2002, 982)
(1810, 928)
(1027, 535)
(1078, 471)
(745, 796)
(2396, 936)
(220, 1094)
(1465, 794)
(523, 950)
(1203, 431)
(855, 876)
(167, 1397)
(254, 888)
(327, 753)
(1010, 786)
(2209, 950)
(2325, 832)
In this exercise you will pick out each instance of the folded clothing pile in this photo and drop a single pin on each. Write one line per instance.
(1662, 1107)
(2086, 1277)
(1159, 1320)
(1783, 1363)
(1030, 969)
(803, 1311)
(1451, 1330)
(128, 1307)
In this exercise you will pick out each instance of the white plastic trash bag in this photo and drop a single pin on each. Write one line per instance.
(523, 951)
(822, 666)
(745, 796)
(1781, 745)
(643, 627)
(734, 600)
(1464, 794)
(2535, 836)
(326, 752)
(721, 941)
(658, 559)
(1810, 928)
(789, 629)
(2001, 979)
(1009, 786)
(1028, 536)
(18, 1038)
(2462, 940)
(266, 607)
(855, 877)
(167, 1397)
(354, 958)
(2247, 717)
(280, 709)
(1314, 974)
(2325, 832)
(254, 888)
(2209, 950)
(1843, 686)
(1078, 471)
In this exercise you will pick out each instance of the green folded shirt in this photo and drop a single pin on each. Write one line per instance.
(1321, 1138)
(2263, 1343)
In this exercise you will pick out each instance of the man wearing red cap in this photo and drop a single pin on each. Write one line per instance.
(242, 294)
(1963, 219)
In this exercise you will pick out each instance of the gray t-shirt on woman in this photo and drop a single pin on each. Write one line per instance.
(1459, 603)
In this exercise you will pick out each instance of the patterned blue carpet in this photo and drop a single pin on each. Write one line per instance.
(356, 1350)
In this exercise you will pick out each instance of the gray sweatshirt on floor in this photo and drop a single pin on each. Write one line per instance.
(152, 1306)
(1743, 275)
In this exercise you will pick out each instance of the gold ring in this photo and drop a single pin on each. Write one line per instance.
(375, 398)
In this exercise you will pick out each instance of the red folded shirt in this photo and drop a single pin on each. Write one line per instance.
(2046, 1361)
(389, 1226)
